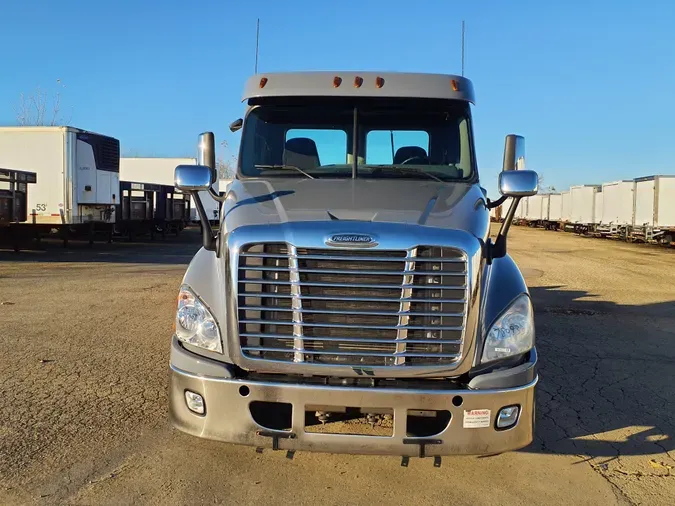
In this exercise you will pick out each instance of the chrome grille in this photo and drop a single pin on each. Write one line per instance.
(352, 307)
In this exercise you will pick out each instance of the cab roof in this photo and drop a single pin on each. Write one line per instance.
(359, 84)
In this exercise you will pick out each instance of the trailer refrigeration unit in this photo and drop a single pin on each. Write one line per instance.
(618, 205)
(160, 171)
(654, 218)
(353, 276)
(77, 173)
(554, 216)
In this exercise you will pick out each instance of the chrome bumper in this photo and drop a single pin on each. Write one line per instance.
(229, 419)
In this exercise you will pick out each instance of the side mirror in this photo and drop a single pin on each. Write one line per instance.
(518, 183)
(192, 178)
(514, 153)
(236, 125)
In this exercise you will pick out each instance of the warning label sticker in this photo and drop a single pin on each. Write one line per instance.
(476, 418)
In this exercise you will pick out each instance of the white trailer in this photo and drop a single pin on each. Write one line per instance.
(77, 173)
(597, 208)
(161, 171)
(618, 203)
(521, 210)
(566, 207)
(583, 205)
(654, 216)
(555, 207)
(535, 208)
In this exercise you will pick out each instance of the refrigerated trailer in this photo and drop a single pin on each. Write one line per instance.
(654, 215)
(77, 172)
(160, 171)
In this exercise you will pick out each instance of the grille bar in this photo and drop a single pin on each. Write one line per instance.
(342, 325)
(357, 299)
(352, 307)
(356, 313)
(349, 285)
(358, 272)
(354, 339)
(349, 258)
(352, 353)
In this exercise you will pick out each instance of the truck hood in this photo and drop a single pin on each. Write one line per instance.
(428, 203)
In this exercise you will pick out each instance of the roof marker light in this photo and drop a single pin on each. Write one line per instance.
(263, 82)
(455, 86)
(379, 82)
(337, 81)
(358, 81)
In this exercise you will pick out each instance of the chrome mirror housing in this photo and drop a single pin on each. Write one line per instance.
(191, 178)
(518, 183)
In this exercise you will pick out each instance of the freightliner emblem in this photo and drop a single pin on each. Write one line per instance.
(352, 240)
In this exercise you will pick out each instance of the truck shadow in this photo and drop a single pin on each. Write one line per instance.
(607, 375)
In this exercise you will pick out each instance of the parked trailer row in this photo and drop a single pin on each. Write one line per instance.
(641, 209)
(160, 171)
(77, 191)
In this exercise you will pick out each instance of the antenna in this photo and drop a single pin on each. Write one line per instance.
(462, 48)
(257, 40)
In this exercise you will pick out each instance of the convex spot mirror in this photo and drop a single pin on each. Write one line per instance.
(518, 183)
(194, 177)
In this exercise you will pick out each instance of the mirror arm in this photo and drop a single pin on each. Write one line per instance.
(215, 196)
(208, 238)
(498, 248)
(496, 203)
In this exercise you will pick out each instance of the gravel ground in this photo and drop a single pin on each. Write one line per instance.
(83, 378)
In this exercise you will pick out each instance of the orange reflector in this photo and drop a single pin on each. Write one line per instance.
(358, 81)
(455, 86)
(337, 81)
(263, 82)
(379, 82)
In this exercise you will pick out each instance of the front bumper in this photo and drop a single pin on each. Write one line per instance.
(228, 417)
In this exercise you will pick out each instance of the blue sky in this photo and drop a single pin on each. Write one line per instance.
(590, 84)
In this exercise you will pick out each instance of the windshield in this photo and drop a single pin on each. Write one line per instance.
(397, 138)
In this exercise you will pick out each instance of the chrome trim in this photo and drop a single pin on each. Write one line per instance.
(296, 304)
(392, 237)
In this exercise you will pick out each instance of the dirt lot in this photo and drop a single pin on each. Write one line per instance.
(83, 370)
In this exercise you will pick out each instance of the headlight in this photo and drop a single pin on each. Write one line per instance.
(512, 333)
(195, 324)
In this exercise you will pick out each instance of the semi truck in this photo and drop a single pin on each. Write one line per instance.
(353, 299)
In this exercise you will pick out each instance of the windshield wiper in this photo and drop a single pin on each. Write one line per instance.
(284, 167)
(409, 170)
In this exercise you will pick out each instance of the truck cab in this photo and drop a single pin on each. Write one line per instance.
(352, 299)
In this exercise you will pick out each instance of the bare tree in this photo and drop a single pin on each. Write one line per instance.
(542, 187)
(40, 108)
(226, 164)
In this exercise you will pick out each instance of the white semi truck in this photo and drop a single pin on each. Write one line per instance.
(352, 299)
